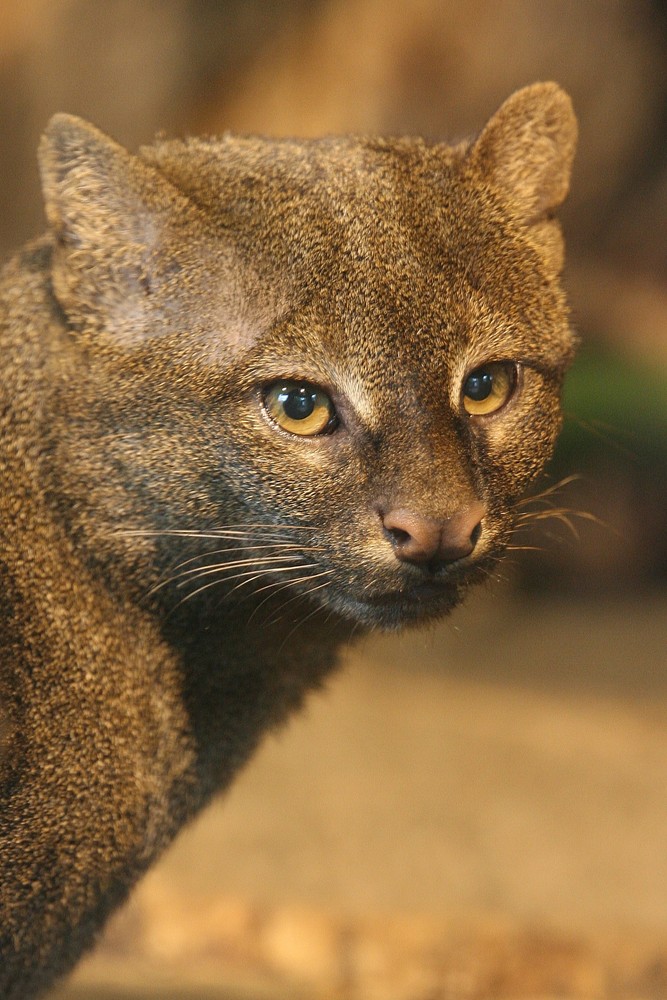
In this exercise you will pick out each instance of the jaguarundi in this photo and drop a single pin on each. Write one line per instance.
(257, 397)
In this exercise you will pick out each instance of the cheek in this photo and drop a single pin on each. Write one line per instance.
(275, 474)
(520, 442)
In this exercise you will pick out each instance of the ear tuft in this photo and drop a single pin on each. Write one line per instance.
(527, 148)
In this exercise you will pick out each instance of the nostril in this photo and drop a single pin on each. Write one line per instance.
(415, 538)
(397, 536)
(461, 532)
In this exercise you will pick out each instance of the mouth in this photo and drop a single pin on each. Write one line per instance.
(413, 602)
(395, 609)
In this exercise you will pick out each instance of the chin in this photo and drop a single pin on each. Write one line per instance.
(416, 603)
(393, 611)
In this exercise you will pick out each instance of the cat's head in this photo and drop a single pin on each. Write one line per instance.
(341, 359)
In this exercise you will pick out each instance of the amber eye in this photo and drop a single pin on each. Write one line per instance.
(488, 387)
(300, 408)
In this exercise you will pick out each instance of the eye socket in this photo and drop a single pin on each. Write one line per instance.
(300, 408)
(488, 387)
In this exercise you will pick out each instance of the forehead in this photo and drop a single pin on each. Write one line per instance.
(429, 294)
(381, 251)
(398, 242)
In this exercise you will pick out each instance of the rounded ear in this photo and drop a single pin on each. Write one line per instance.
(107, 210)
(526, 152)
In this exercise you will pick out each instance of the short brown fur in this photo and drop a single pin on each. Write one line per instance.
(177, 571)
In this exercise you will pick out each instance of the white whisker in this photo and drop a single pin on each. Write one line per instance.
(200, 571)
(217, 533)
(197, 572)
(259, 575)
(276, 586)
(296, 597)
(307, 617)
(247, 573)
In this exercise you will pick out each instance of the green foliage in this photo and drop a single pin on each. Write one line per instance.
(613, 404)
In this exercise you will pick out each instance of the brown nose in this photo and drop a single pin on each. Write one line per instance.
(419, 539)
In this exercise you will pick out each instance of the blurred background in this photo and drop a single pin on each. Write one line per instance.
(479, 811)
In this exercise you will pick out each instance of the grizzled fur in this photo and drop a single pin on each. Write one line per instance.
(176, 571)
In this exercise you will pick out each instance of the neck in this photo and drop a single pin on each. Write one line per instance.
(245, 670)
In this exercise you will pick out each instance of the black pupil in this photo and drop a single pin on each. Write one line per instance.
(298, 403)
(479, 385)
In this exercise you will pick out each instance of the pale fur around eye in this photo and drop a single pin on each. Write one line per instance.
(487, 388)
(300, 408)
